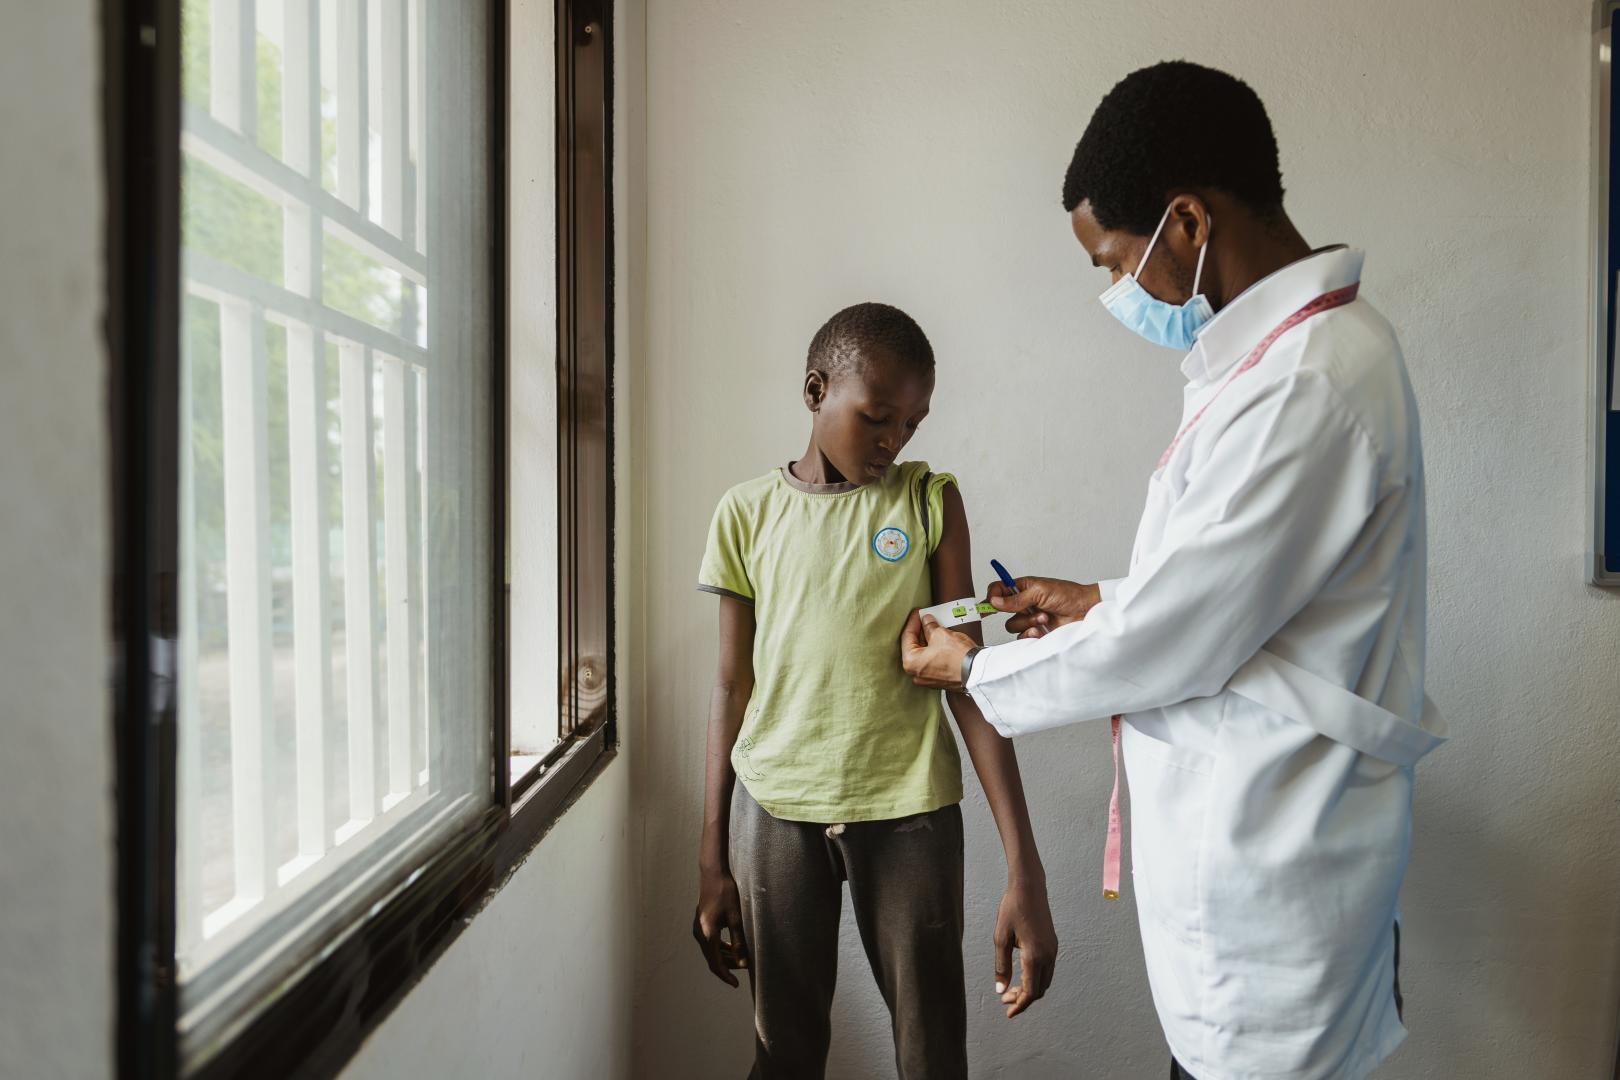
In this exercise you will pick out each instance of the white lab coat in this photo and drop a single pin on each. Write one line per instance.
(1267, 650)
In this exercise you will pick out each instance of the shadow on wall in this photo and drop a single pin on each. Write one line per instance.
(1498, 900)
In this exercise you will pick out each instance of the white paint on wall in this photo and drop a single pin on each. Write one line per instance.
(56, 857)
(806, 156)
(534, 986)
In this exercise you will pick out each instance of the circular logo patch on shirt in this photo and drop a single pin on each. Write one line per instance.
(891, 544)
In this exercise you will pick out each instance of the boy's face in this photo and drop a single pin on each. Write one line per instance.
(863, 417)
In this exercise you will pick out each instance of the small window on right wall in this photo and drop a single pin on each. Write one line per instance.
(1603, 512)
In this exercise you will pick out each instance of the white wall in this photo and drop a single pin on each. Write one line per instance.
(535, 986)
(806, 156)
(56, 858)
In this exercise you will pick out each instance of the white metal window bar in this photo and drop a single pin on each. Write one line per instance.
(371, 52)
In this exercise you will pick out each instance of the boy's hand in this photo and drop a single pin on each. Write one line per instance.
(1042, 604)
(719, 913)
(931, 654)
(1024, 923)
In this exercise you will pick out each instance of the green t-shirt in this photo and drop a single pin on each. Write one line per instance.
(835, 730)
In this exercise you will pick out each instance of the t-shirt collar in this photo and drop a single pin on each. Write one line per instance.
(1240, 325)
(815, 489)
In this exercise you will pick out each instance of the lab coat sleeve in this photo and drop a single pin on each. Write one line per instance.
(1108, 588)
(1288, 485)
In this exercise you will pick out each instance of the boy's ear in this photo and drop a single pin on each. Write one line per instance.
(815, 389)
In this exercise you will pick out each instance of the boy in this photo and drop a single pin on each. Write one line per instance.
(825, 763)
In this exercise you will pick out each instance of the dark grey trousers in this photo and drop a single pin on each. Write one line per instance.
(905, 882)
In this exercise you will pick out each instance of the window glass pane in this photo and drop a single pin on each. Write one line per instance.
(337, 442)
(368, 289)
(228, 222)
(532, 577)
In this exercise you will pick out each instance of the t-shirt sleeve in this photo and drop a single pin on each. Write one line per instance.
(933, 506)
(725, 557)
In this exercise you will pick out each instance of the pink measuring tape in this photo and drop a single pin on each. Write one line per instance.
(1111, 848)
(1326, 302)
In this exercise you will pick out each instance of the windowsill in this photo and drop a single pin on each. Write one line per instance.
(549, 799)
(522, 764)
(542, 784)
(550, 793)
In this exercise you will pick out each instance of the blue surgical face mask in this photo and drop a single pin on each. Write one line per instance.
(1159, 321)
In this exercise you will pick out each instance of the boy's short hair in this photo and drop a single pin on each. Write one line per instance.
(1169, 128)
(862, 331)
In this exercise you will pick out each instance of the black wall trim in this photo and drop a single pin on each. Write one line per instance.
(140, 44)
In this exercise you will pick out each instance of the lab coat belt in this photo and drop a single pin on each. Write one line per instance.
(1336, 712)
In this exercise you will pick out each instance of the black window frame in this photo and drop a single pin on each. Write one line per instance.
(316, 1021)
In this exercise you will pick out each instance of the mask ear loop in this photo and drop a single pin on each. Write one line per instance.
(1137, 273)
(1198, 274)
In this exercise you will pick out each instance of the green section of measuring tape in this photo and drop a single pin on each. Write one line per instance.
(983, 609)
(987, 609)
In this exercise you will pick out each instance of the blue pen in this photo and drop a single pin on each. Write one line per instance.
(1008, 580)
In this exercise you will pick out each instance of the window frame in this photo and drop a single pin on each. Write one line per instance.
(316, 1020)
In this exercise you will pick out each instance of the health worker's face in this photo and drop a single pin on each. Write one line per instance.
(1168, 276)
(864, 417)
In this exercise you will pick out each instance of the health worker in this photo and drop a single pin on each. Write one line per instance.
(1262, 661)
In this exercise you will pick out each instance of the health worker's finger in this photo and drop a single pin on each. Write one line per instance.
(1023, 620)
(911, 635)
(1028, 595)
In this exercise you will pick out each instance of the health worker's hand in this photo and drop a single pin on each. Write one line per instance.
(931, 654)
(1024, 923)
(1043, 604)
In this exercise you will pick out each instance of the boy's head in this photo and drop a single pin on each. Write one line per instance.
(868, 379)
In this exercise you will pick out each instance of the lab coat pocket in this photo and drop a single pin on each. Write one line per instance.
(1170, 790)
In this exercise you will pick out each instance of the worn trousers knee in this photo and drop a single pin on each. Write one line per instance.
(905, 881)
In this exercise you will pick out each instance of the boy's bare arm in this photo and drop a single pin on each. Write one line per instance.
(719, 912)
(1025, 918)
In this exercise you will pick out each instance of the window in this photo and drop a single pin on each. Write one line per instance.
(335, 696)
(326, 416)
(560, 424)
